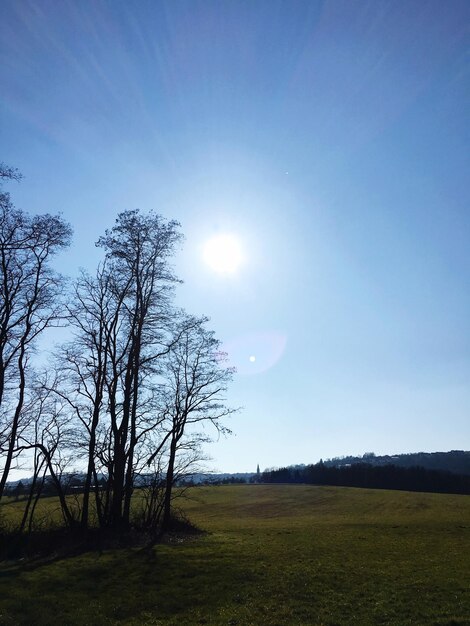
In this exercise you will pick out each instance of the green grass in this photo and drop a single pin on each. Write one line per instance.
(274, 555)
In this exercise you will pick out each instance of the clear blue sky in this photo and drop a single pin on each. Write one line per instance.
(331, 138)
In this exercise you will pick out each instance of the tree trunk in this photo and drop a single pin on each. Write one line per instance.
(91, 465)
(16, 419)
(169, 486)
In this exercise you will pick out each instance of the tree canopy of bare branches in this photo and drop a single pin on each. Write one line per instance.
(29, 303)
(129, 398)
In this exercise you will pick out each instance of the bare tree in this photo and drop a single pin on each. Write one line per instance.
(136, 385)
(51, 438)
(11, 173)
(93, 314)
(122, 321)
(138, 250)
(29, 303)
(193, 396)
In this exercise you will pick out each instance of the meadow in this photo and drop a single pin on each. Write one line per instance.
(270, 554)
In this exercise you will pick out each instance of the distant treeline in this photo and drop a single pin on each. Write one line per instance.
(69, 485)
(75, 484)
(372, 477)
(457, 461)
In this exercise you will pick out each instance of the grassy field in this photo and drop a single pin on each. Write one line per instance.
(274, 555)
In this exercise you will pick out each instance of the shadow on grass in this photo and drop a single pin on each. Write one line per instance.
(36, 548)
(138, 585)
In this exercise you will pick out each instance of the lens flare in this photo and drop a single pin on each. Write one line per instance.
(255, 353)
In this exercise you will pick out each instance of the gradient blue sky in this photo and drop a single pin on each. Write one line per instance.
(330, 137)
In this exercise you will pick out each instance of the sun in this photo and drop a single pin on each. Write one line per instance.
(223, 254)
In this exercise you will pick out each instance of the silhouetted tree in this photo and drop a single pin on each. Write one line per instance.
(134, 387)
(195, 378)
(29, 302)
(123, 323)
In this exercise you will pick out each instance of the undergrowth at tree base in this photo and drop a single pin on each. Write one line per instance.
(60, 542)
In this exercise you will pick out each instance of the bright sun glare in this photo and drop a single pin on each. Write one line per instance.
(223, 254)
